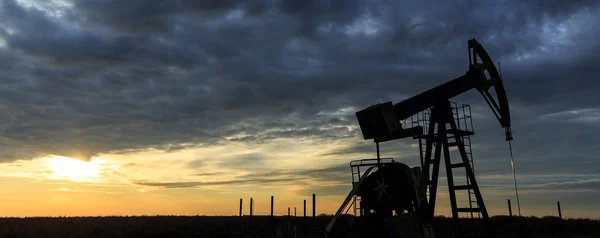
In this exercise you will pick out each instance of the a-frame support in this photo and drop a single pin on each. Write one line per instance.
(441, 116)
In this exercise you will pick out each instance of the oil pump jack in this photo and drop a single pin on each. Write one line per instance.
(388, 194)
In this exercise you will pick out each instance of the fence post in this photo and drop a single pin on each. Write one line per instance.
(509, 208)
(240, 217)
(273, 226)
(251, 204)
(240, 208)
(314, 213)
(304, 221)
(559, 212)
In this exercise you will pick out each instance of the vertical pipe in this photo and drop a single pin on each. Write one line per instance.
(294, 211)
(509, 208)
(378, 158)
(288, 223)
(314, 212)
(559, 212)
(272, 206)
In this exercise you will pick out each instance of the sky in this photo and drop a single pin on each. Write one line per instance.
(184, 107)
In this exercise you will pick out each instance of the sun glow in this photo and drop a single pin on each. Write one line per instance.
(75, 170)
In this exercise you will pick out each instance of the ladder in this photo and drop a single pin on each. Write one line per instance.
(356, 200)
(473, 205)
(357, 206)
(443, 133)
(460, 138)
(472, 200)
(463, 120)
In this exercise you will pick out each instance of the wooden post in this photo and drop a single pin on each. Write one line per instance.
(273, 226)
(295, 225)
(240, 208)
(251, 203)
(509, 208)
(559, 212)
(240, 218)
(314, 214)
(304, 221)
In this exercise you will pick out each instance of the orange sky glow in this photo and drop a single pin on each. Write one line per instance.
(109, 185)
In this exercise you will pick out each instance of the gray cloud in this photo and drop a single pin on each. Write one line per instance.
(244, 162)
(336, 190)
(196, 164)
(337, 174)
(201, 184)
(590, 184)
(207, 174)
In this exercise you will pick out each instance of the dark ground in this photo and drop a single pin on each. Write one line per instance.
(208, 226)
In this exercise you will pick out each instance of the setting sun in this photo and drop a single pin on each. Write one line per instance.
(75, 170)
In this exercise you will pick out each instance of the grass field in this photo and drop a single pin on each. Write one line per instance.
(259, 226)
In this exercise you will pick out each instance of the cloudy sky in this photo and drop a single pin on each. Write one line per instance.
(115, 107)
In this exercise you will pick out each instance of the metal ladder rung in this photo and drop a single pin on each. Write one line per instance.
(457, 165)
(463, 187)
(466, 209)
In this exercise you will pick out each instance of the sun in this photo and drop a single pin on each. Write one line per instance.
(75, 170)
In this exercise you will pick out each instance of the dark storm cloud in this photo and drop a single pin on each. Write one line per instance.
(39, 35)
(103, 76)
(144, 15)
